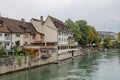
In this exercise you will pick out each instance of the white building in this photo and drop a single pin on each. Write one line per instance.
(5, 40)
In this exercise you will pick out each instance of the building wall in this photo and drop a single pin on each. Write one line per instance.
(63, 37)
(5, 40)
(39, 37)
(20, 38)
(48, 29)
(27, 39)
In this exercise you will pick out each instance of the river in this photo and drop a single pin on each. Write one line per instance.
(100, 66)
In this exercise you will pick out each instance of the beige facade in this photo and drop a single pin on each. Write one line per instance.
(33, 38)
(48, 29)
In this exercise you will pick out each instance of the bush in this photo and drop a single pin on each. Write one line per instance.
(17, 43)
(4, 56)
(2, 51)
(118, 45)
(19, 60)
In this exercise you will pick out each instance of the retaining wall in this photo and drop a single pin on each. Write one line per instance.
(13, 64)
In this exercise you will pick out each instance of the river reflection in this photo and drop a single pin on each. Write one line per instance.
(101, 66)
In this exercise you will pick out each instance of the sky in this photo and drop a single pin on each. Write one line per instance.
(104, 15)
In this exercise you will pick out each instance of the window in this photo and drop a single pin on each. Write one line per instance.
(17, 35)
(53, 51)
(64, 40)
(62, 33)
(1, 24)
(0, 34)
(33, 36)
(42, 36)
(59, 39)
(59, 33)
(26, 36)
(7, 44)
(7, 35)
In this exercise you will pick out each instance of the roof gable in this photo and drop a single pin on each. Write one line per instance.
(59, 24)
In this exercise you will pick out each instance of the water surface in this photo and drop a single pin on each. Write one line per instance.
(101, 66)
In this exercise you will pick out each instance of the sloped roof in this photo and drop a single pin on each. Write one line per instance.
(11, 25)
(30, 28)
(59, 24)
(16, 26)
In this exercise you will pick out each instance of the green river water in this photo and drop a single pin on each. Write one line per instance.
(101, 66)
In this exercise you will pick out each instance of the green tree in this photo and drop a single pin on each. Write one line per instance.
(106, 42)
(119, 36)
(75, 29)
(83, 33)
(84, 29)
(2, 51)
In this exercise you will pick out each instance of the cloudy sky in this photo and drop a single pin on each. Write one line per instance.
(103, 14)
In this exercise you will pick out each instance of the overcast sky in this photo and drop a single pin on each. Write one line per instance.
(104, 15)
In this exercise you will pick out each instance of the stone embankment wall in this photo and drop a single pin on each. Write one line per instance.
(13, 64)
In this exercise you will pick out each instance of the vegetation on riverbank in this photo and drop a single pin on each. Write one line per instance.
(86, 35)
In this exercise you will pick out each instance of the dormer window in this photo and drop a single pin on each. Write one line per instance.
(1, 23)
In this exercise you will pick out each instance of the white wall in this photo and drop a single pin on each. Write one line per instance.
(5, 40)
(14, 39)
(64, 37)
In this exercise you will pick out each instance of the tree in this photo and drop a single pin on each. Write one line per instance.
(2, 51)
(119, 36)
(106, 42)
(84, 29)
(75, 29)
(84, 34)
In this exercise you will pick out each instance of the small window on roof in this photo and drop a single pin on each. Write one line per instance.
(17, 35)
(0, 34)
(1, 23)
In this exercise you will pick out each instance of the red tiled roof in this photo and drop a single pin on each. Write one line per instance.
(16, 26)
(12, 25)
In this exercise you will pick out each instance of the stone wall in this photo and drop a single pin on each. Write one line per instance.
(21, 62)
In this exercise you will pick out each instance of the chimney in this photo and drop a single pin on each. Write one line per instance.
(23, 20)
(41, 19)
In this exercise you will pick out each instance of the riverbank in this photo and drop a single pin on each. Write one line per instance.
(98, 66)
(14, 64)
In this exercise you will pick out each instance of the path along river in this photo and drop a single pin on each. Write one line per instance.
(100, 66)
